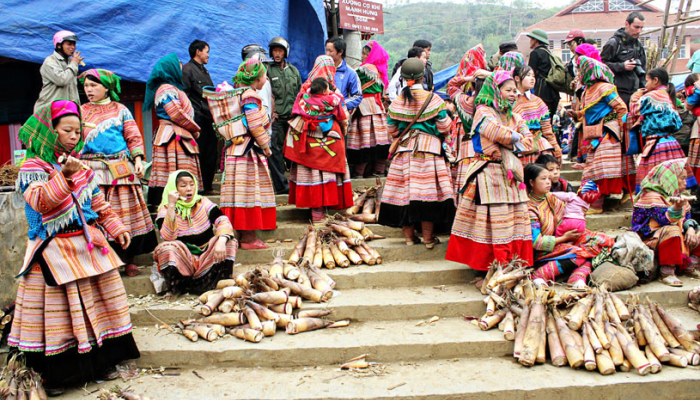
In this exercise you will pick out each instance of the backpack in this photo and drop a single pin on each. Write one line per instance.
(558, 77)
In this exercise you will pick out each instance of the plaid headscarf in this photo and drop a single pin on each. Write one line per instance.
(108, 79)
(510, 61)
(324, 67)
(663, 179)
(166, 70)
(380, 59)
(39, 135)
(490, 93)
(249, 71)
(592, 71)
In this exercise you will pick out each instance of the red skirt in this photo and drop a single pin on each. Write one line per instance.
(312, 188)
(479, 256)
(253, 218)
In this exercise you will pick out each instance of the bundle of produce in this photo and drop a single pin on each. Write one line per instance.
(5, 321)
(694, 298)
(595, 330)
(365, 204)
(257, 302)
(116, 393)
(19, 382)
(340, 244)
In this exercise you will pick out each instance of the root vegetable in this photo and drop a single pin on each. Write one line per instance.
(305, 292)
(263, 313)
(683, 336)
(372, 252)
(190, 334)
(573, 354)
(633, 354)
(304, 277)
(313, 313)
(278, 297)
(226, 306)
(298, 251)
(364, 255)
(212, 304)
(205, 296)
(340, 324)
(319, 284)
(323, 276)
(230, 319)
(533, 333)
(225, 283)
(250, 335)
(368, 207)
(579, 313)
(605, 363)
(654, 340)
(611, 310)
(284, 320)
(678, 361)
(340, 258)
(368, 218)
(354, 236)
(600, 333)
(542, 349)
(232, 292)
(205, 332)
(285, 308)
(355, 225)
(592, 339)
(508, 326)
(556, 350)
(663, 329)
(328, 259)
(490, 321)
(306, 324)
(366, 233)
(615, 351)
(520, 332)
(310, 250)
(357, 206)
(291, 272)
(693, 358)
(295, 301)
(243, 280)
(620, 307)
(253, 319)
(269, 328)
(354, 257)
(318, 255)
(655, 363)
(589, 360)
(626, 366)
(639, 335)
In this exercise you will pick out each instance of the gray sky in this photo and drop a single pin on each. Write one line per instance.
(541, 3)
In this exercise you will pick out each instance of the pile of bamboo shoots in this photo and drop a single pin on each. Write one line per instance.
(5, 322)
(342, 243)
(255, 303)
(116, 393)
(365, 204)
(19, 382)
(595, 330)
(694, 298)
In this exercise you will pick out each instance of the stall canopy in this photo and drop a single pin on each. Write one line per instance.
(129, 36)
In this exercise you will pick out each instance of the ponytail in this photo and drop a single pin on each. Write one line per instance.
(406, 91)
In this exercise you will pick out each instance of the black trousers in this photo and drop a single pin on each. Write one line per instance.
(276, 161)
(209, 156)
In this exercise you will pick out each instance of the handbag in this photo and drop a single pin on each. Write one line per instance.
(592, 132)
(633, 141)
(119, 168)
(395, 144)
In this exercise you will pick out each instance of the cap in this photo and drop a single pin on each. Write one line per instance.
(540, 35)
(413, 68)
(573, 34)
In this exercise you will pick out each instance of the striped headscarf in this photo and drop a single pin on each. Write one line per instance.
(490, 94)
(592, 71)
(663, 179)
(249, 71)
(510, 61)
(39, 135)
(324, 67)
(108, 79)
(473, 60)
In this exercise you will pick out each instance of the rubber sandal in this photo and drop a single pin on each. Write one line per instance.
(694, 273)
(255, 245)
(431, 244)
(131, 270)
(671, 280)
(594, 211)
(111, 374)
(413, 240)
(625, 198)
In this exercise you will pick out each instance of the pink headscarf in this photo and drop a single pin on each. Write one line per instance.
(380, 59)
(63, 107)
(588, 50)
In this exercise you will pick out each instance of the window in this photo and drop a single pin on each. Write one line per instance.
(681, 52)
(590, 6)
(566, 55)
(551, 44)
(621, 5)
(599, 43)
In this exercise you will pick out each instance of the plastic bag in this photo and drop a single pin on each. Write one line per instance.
(157, 279)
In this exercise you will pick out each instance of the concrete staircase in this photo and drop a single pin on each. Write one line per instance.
(447, 359)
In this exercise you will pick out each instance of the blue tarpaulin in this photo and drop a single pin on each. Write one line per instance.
(441, 78)
(128, 37)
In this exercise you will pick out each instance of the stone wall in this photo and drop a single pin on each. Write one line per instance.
(13, 243)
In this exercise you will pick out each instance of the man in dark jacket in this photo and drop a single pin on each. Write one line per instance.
(286, 83)
(195, 76)
(428, 75)
(625, 56)
(503, 48)
(540, 63)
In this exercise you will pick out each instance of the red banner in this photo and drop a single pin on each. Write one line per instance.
(361, 15)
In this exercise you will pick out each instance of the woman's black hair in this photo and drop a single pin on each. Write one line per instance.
(545, 159)
(318, 86)
(478, 84)
(691, 79)
(521, 72)
(662, 75)
(532, 171)
(55, 121)
(183, 174)
(406, 92)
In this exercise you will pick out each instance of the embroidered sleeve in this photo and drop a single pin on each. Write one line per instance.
(168, 227)
(539, 241)
(222, 225)
(106, 217)
(257, 120)
(618, 105)
(132, 135)
(642, 216)
(526, 139)
(172, 104)
(443, 122)
(46, 196)
(393, 126)
(548, 134)
(494, 131)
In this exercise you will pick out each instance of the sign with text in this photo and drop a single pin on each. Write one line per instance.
(361, 15)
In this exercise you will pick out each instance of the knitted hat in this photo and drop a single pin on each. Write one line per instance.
(539, 35)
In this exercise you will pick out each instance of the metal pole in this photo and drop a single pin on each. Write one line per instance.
(334, 15)
(682, 36)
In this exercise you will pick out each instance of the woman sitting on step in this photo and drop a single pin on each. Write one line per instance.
(570, 253)
(199, 245)
(662, 219)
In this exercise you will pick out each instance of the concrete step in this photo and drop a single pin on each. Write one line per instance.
(493, 378)
(386, 341)
(357, 183)
(572, 175)
(295, 229)
(374, 304)
(609, 220)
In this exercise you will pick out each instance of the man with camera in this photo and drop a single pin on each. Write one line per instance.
(625, 56)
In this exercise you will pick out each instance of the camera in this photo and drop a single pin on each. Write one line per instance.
(638, 69)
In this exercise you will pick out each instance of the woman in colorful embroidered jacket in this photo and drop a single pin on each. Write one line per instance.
(174, 145)
(315, 143)
(418, 189)
(463, 89)
(536, 115)
(603, 111)
(368, 136)
(492, 221)
(199, 246)
(247, 195)
(662, 219)
(692, 102)
(114, 150)
(570, 253)
(653, 115)
(71, 318)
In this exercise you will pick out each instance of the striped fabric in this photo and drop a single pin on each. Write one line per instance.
(111, 116)
(82, 314)
(198, 223)
(657, 151)
(312, 188)
(130, 206)
(247, 195)
(417, 176)
(171, 156)
(368, 131)
(536, 115)
(604, 162)
(177, 106)
(694, 158)
(176, 254)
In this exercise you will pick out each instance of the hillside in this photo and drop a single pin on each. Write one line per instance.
(454, 28)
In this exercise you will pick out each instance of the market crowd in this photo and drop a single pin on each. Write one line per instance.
(482, 161)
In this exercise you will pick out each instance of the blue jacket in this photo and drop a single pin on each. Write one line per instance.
(348, 83)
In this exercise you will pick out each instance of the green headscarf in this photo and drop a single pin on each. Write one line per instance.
(592, 71)
(490, 93)
(663, 179)
(249, 71)
(182, 208)
(39, 135)
(166, 70)
(108, 79)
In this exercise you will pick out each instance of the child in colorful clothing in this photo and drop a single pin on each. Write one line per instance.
(577, 205)
(315, 143)
(692, 101)
(553, 165)
(114, 150)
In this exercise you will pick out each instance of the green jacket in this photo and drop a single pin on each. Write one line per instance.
(286, 83)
